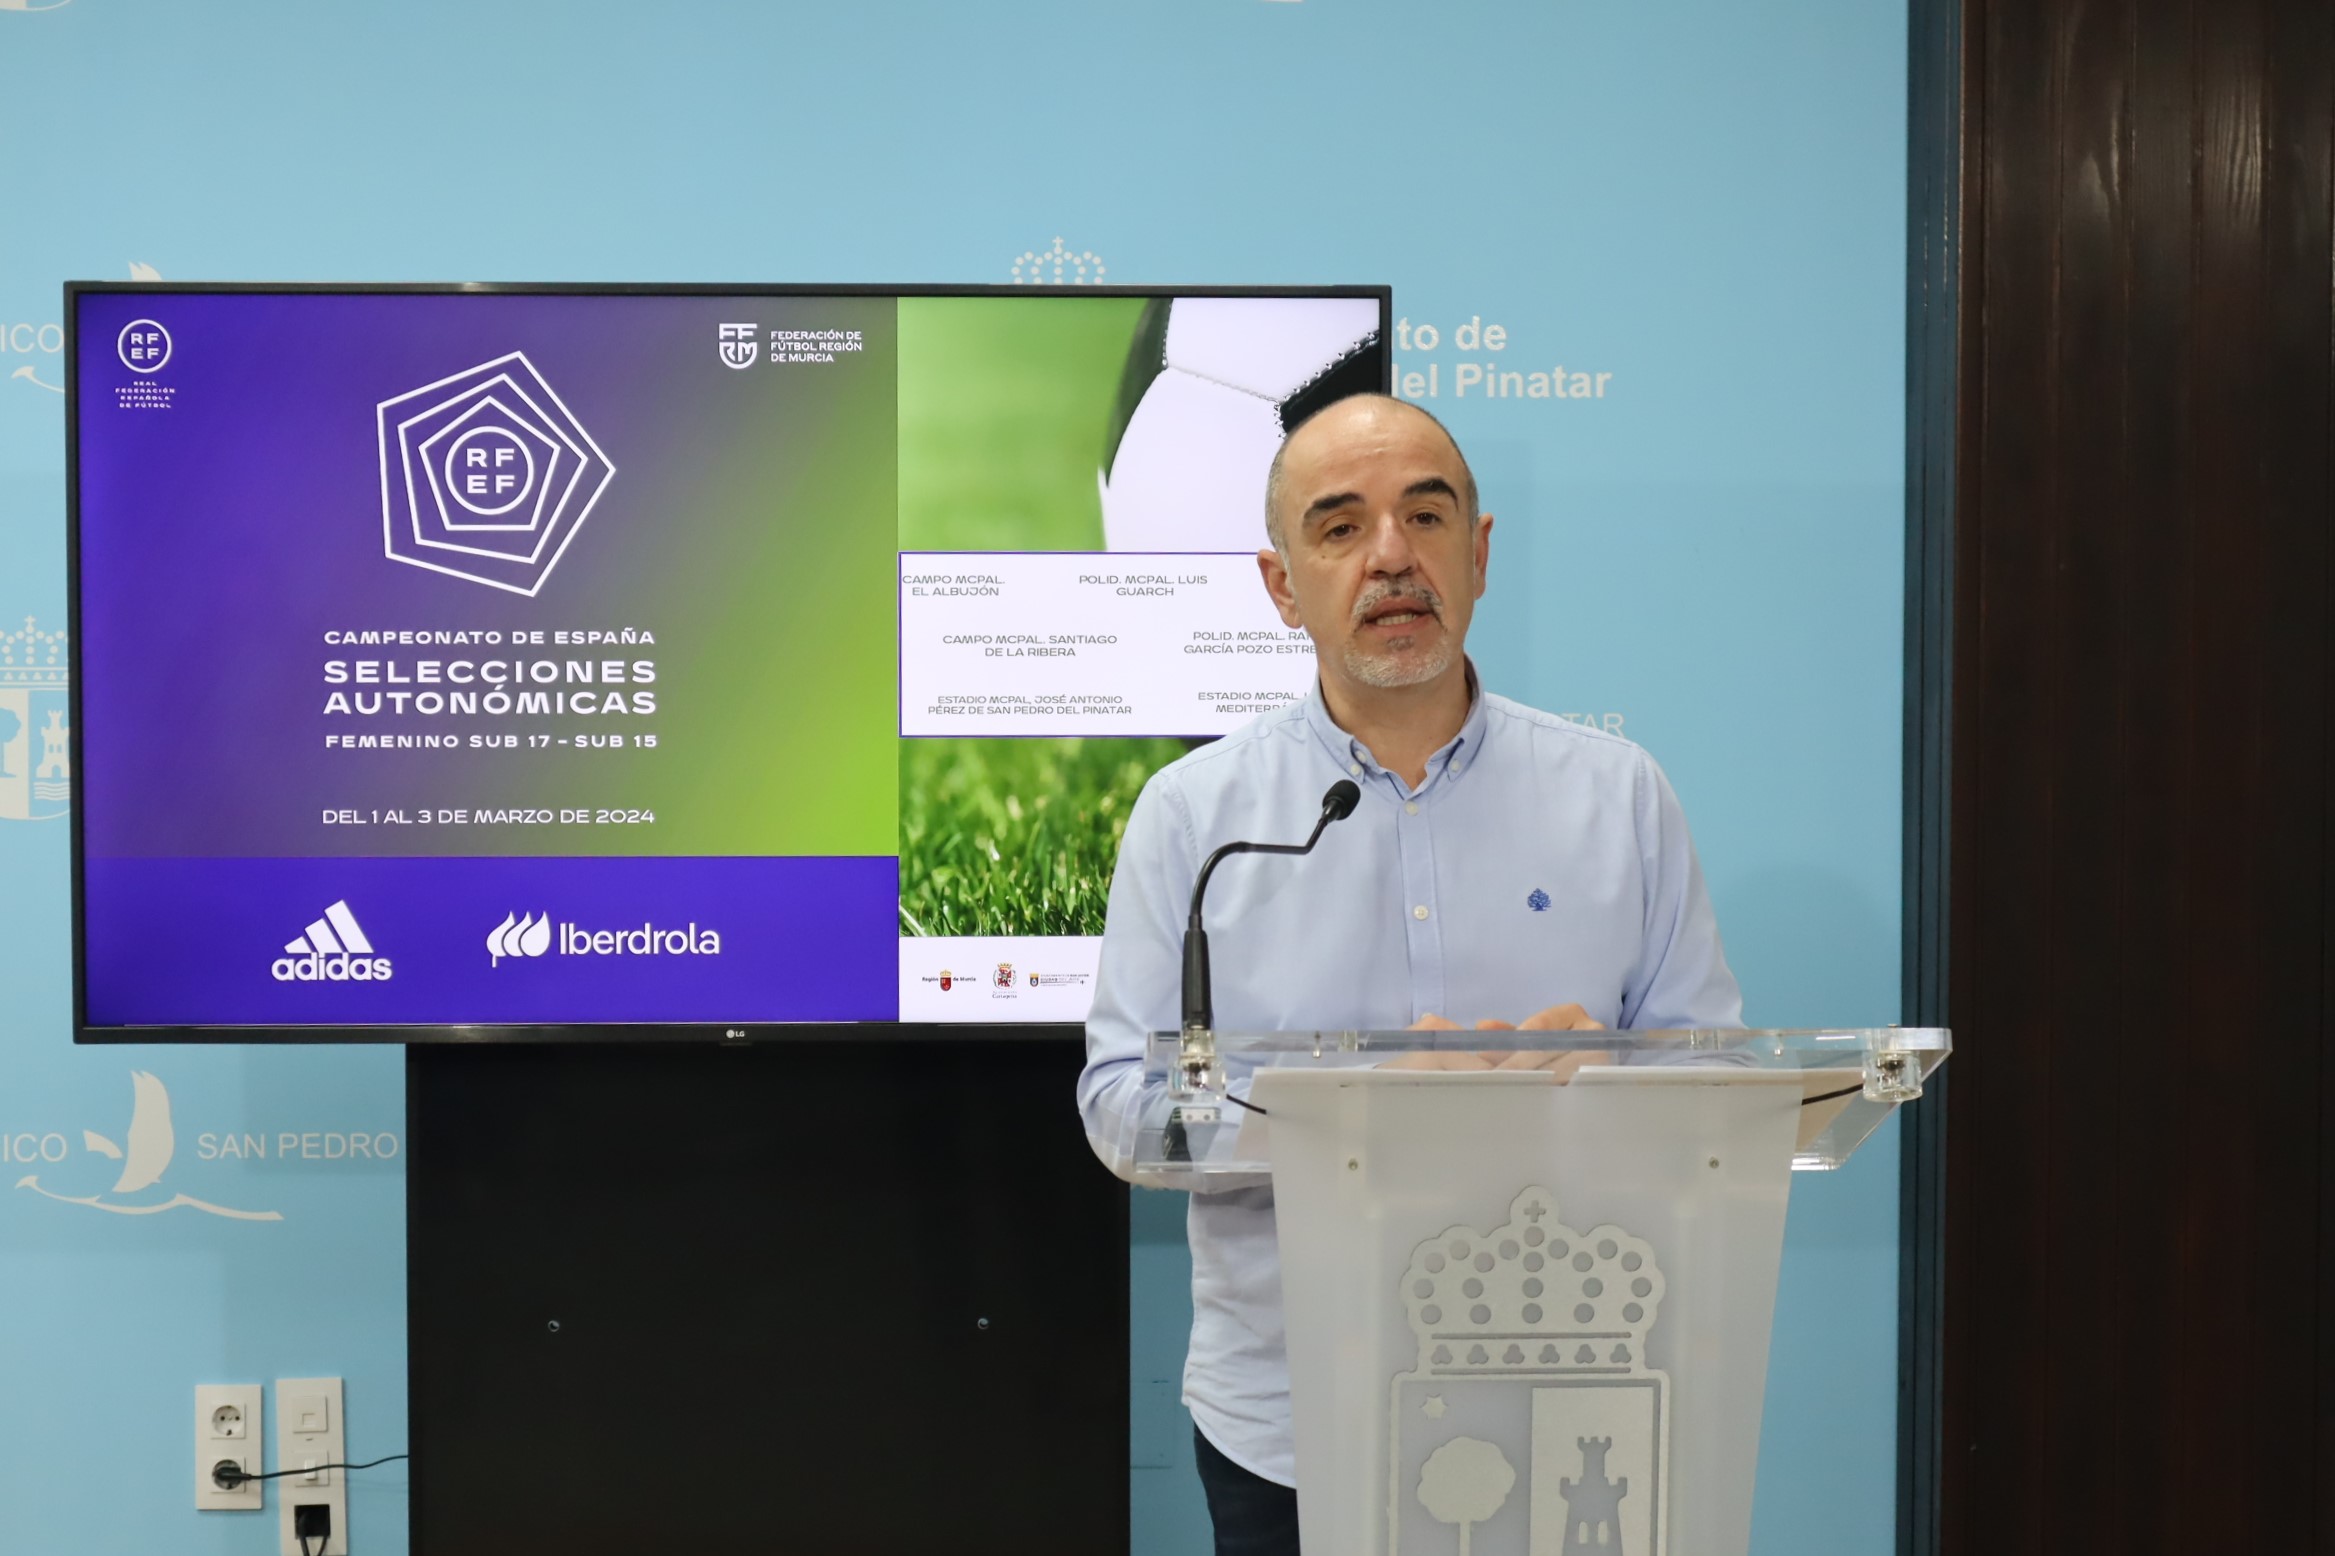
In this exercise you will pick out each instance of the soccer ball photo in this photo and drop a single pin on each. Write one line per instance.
(1212, 386)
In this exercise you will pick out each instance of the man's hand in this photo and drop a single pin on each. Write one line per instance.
(1562, 1018)
(1436, 1059)
(1557, 1018)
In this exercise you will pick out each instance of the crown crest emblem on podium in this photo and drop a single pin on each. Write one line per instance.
(1532, 1419)
(1533, 1296)
(36, 737)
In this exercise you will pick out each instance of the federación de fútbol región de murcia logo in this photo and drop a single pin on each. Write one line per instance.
(334, 949)
(739, 345)
(487, 476)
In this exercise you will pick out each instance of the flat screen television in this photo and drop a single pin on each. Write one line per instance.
(503, 662)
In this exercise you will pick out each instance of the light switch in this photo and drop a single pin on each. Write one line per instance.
(311, 1432)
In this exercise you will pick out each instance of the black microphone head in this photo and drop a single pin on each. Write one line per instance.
(1339, 803)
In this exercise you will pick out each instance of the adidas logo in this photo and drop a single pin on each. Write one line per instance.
(332, 950)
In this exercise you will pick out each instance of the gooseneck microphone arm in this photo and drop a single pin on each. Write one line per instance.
(1199, 1005)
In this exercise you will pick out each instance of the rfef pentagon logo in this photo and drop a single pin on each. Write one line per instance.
(487, 476)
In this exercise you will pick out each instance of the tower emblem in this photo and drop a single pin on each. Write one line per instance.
(36, 739)
(1531, 1420)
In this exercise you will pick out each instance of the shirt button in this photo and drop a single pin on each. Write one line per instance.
(1356, 769)
(1411, 807)
(1455, 764)
(1420, 911)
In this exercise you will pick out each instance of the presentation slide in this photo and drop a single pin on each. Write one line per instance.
(518, 659)
(1055, 644)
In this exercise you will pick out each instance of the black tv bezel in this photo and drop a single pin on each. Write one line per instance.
(490, 1033)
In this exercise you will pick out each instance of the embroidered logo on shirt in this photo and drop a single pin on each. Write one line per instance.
(1538, 901)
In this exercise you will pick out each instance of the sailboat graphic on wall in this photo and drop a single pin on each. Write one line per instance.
(152, 1143)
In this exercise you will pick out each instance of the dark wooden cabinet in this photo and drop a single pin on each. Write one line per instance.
(2120, 637)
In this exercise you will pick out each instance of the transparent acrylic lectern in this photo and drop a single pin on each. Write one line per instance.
(1524, 1318)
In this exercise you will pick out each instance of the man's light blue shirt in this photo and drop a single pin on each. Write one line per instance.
(1540, 863)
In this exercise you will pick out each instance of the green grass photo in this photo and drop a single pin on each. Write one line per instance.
(1005, 404)
(1016, 837)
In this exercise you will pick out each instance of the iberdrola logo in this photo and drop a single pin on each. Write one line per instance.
(516, 936)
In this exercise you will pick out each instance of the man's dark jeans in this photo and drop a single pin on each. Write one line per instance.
(1252, 1515)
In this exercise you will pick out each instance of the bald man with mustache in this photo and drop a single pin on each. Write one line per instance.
(1505, 867)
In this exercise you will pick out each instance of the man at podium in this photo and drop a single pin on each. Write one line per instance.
(1503, 865)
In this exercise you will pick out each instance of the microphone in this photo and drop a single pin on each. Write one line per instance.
(1199, 1007)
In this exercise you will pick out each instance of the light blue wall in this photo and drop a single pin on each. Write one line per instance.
(1701, 197)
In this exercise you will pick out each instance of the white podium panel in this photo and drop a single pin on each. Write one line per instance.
(1527, 1319)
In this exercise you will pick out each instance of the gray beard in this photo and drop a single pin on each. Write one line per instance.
(1387, 671)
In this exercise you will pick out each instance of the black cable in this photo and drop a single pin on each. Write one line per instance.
(228, 1477)
(1251, 1106)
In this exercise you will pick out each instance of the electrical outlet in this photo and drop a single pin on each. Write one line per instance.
(310, 1431)
(227, 1423)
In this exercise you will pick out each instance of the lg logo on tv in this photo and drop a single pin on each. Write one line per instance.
(334, 949)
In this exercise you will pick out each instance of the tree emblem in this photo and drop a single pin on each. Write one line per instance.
(1465, 1482)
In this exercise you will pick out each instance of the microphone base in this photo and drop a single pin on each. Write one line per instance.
(1196, 1068)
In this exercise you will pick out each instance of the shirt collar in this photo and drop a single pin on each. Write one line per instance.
(1456, 755)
